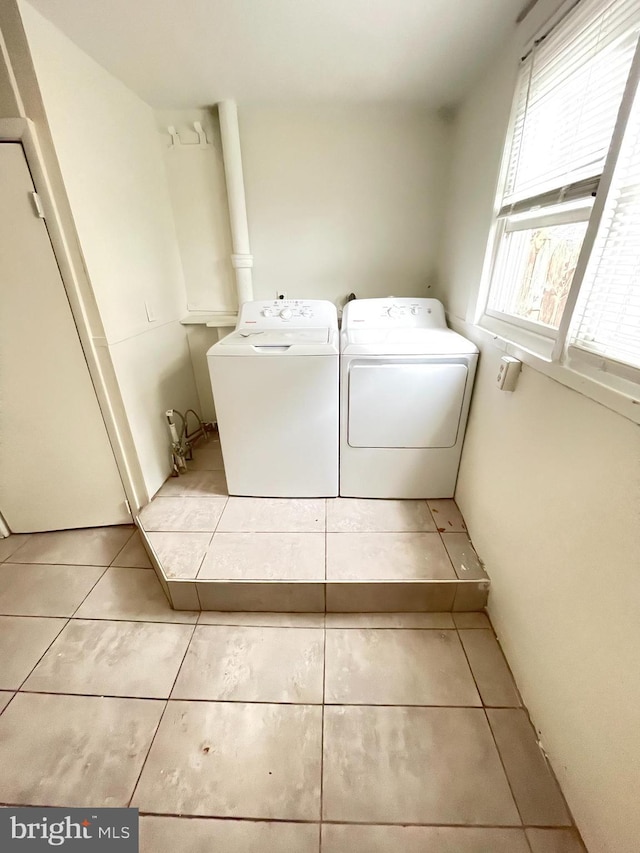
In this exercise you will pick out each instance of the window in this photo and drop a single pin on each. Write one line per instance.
(565, 278)
(607, 316)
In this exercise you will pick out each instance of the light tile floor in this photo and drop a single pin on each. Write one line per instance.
(197, 531)
(239, 732)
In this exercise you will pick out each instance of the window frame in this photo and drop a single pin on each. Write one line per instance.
(536, 341)
(535, 217)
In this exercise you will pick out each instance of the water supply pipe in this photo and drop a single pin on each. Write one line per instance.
(241, 259)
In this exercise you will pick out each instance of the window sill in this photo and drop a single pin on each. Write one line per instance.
(619, 395)
(536, 345)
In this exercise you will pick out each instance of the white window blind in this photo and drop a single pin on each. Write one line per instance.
(568, 95)
(607, 316)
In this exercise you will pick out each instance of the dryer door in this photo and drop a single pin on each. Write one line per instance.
(405, 404)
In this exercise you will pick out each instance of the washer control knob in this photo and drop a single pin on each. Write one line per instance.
(306, 312)
(414, 309)
(267, 312)
(393, 312)
(286, 313)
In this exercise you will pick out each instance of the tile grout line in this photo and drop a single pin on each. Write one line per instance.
(11, 557)
(178, 530)
(114, 619)
(37, 663)
(91, 590)
(124, 546)
(495, 743)
(224, 509)
(322, 722)
(297, 627)
(135, 568)
(202, 559)
(164, 710)
(376, 705)
(199, 600)
(32, 616)
(302, 822)
(326, 556)
(324, 665)
(70, 565)
(484, 710)
(504, 769)
(254, 623)
(102, 695)
(10, 700)
(188, 497)
(206, 553)
(526, 840)
(492, 631)
(523, 707)
(15, 551)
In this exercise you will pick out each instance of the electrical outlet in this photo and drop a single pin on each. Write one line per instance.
(281, 294)
(508, 373)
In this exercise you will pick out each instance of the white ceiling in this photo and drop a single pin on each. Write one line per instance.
(186, 53)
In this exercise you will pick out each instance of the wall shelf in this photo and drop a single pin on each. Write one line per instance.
(212, 319)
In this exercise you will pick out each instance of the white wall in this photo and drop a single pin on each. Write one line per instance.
(199, 199)
(107, 146)
(343, 199)
(198, 195)
(339, 199)
(550, 487)
(9, 106)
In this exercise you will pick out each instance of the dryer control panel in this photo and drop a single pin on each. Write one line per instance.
(279, 313)
(401, 312)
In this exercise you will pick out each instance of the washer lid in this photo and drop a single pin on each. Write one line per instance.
(289, 341)
(405, 341)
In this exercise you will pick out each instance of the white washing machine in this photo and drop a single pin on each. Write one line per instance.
(405, 389)
(275, 388)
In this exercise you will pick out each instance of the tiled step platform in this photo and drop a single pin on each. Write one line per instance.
(215, 552)
(260, 731)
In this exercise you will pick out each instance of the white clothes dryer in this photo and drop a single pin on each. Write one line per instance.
(405, 389)
(275, 388)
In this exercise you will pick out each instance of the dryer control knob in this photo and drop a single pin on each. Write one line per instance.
(286, 313)
(393, 312)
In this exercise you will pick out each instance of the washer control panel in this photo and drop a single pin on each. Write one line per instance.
(395, 312)
(278, 313)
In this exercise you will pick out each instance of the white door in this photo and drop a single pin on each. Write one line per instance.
(57, 468)
(405, 404)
